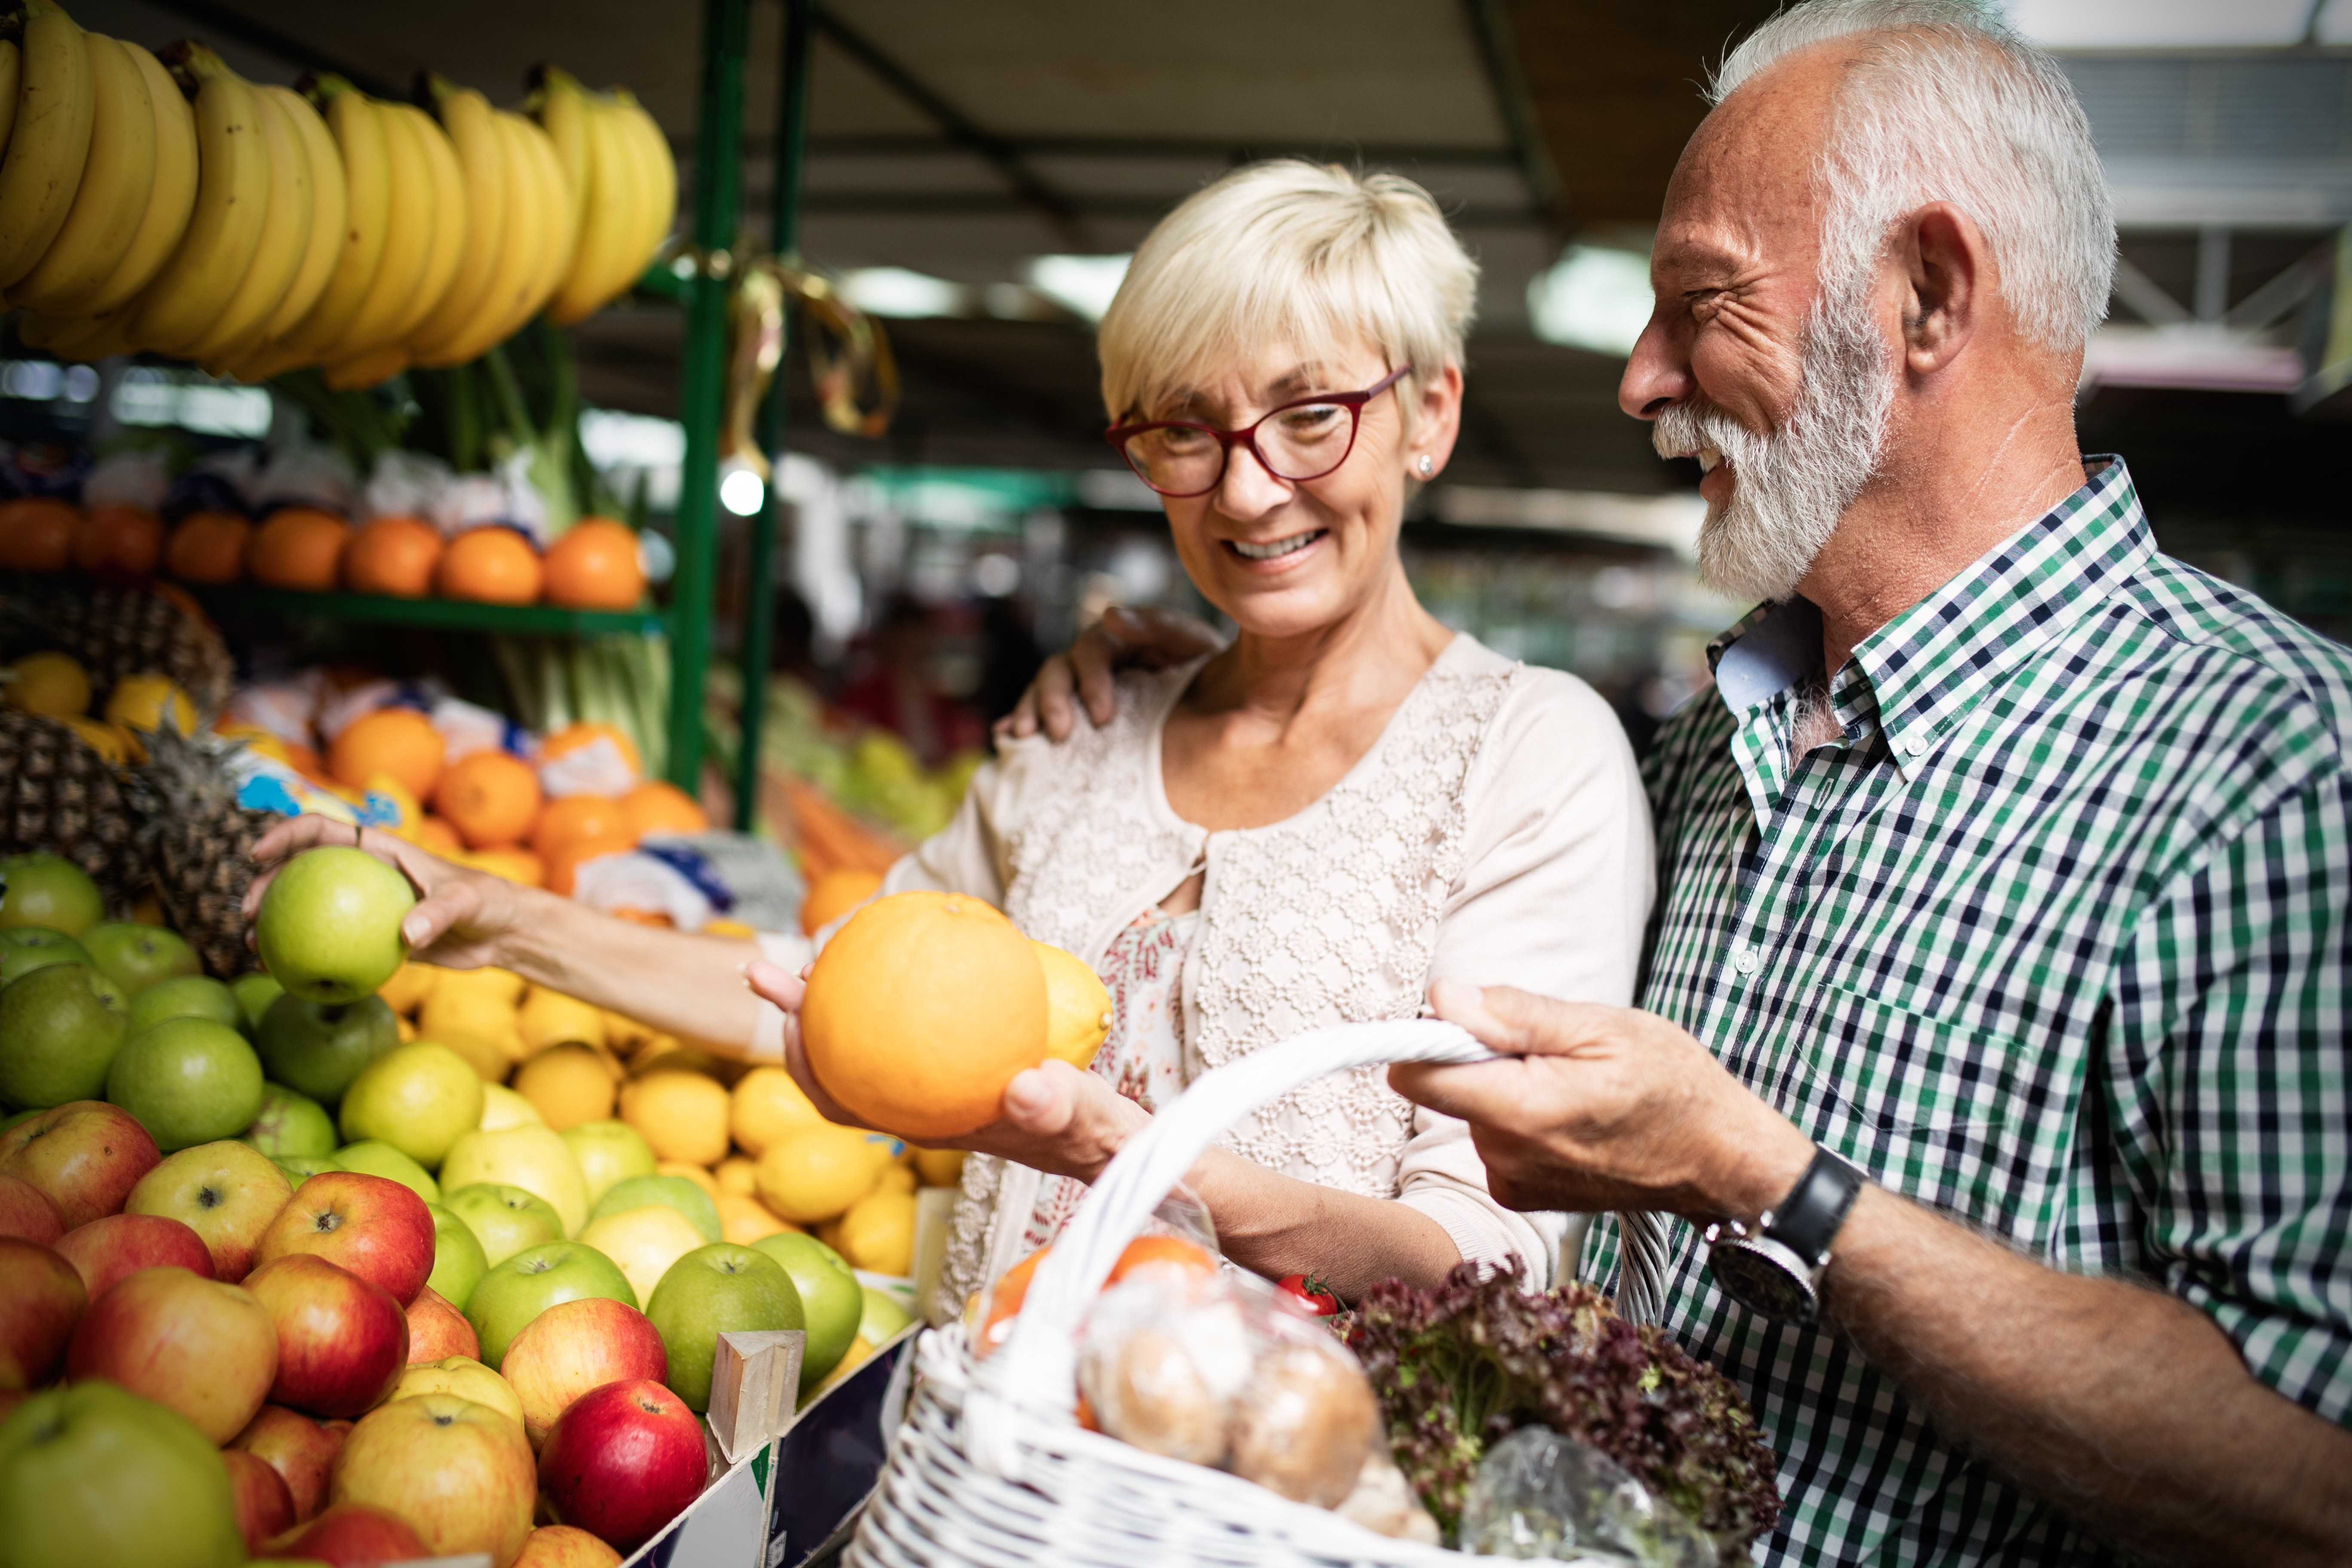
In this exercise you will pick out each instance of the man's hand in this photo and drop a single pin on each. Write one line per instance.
(1603, 1108)
(461, 916)
(1123, 640)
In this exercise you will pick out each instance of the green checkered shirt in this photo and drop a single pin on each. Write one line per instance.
(2055, 940)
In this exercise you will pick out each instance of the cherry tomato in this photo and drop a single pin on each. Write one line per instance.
(1310, 1293)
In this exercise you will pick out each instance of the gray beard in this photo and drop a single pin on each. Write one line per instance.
(1791, 486)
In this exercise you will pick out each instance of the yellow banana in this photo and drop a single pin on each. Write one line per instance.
(560, 108)
(12, 73)
(117, 180)
(284, 237)
(328, 207)
(600, 264)
(172, 198)
(55, 109)
(493, 225)
(76, 337)
(555, 252)
(361, 145)
(450, 221)
(659, 171)
(521, 258)
(408, 238)
(232, 207)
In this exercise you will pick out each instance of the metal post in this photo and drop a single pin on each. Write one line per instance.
(718, 180)
(785, 240)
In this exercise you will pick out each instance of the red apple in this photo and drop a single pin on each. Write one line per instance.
(106, 1249)
(202, 1348)
(227, 1193)
(352, 1536)
(623, 1461)
(341, 1340)
(461, 1472)
(85, 1156)
(27, 1213)
(264, 1507)
(575, 1346)
(565, 1546)
(375, 1227)
(300, 1449)
(41, 1298)
(437, 1330)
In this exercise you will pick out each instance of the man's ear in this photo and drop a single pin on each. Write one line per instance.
(1948, 282)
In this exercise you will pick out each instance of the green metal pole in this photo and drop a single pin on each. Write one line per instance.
(784, 239)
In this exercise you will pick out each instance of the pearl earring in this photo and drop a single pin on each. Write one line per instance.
(1428, 466)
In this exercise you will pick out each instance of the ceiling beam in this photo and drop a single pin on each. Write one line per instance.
(895, 145)
(1490, 27)
(224, 22)
(988, 204)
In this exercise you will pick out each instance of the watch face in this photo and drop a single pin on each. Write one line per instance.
(1751, 1276)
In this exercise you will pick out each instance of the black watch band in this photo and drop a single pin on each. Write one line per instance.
(1776, 1269)
(1809, 1218)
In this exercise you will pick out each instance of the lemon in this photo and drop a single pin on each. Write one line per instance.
(407, 1032)
(412, 811)
(682, 1114)
(503, 985)
(766, 1105)
(877, 1233)
(410, 984)
(551, 1018)
(695, 1173)
(568, 1084)
(736, 1174)
(815, 1173)
(144, 701)
(896, 1179)
(474, 1014)
(940, 1167)
(111, 741)
(481, 1053)
(53, 684)
(1077, 1008)
(745, 1219)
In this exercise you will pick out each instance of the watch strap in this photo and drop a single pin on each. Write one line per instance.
(1808, 1219)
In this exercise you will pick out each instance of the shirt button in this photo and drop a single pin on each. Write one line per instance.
(1747, 961)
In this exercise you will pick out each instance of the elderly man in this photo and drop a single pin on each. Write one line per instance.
(1994, 1057)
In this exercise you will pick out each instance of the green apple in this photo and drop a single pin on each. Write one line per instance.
(188, 1081)
(254, 993)
(319, 1048)
(330, 924)
(831, 1299)
(505, 1220)
(611, 1152)
(883, 1317)
(60, 1028)
(510, 1294)
(48, 890)
(687, 1197)
(24, 949)
(300, 1168)
(136, 956)
(417, 1097)
(643, 1242)
(534, 1158)
(374, 1157)
(289, 1124)
(93, 1476)
(458, 1261)
(721, 1288)
(502, 1108)
(186, 996)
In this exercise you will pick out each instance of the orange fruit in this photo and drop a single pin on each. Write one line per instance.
(564, 864)
(490, 797)
(595, 567)
(516, 864)
(393, 556)
(587, 732)
(432, 833)
(492, 566)
(834, 894)
(1004, 1302)
(297, 547)
(580, 818)
(1164, 1250)
(920, 1010)
(208, 547)
(657, 807)
(119, 542)
(397, 741)
(640, 917)
(37, 534)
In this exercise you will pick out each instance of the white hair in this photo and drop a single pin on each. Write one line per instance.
(1947, 102)
(1308, 255)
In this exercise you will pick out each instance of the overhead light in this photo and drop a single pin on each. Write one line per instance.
(896, 291)
(1592, 298)
(741, 491)
(2161, 24)
(1083, 285)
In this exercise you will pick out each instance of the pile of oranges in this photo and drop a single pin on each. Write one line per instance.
(594, 566)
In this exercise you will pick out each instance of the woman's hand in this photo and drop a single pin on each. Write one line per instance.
(461, 916)
(1123, 640)
(1057, 1119)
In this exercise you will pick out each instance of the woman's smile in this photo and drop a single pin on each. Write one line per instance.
(1281, 554)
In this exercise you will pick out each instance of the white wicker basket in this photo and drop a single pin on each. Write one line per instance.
(992, 1470)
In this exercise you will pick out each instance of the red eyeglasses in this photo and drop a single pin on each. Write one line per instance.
(1298, 441)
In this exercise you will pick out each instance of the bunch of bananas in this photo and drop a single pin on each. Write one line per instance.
(171, 206)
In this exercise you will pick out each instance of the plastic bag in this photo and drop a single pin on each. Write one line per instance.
(1538, 1494)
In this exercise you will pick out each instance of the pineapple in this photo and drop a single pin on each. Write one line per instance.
(58, 793)
(199, 845)
(116, 632)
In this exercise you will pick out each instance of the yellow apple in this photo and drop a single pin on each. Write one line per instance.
(530, 1157)
(502, 1108)
(460, 1473)
(465, 1377)
(643, 1242)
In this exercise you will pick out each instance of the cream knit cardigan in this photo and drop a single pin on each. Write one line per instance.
(1496, 833)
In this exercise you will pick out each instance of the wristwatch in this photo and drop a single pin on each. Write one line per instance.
(1776, 1270)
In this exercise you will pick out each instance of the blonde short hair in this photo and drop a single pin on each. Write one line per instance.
(1307, 254)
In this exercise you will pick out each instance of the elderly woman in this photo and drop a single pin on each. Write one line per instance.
(1313, 824)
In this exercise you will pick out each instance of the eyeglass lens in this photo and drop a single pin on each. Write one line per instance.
(1303, 441)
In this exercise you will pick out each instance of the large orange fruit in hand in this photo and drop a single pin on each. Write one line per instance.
(399, 741)
(299, 547)
(595, 567)
(207, 547)
(834, 894)
(490, 797)
(659, 806)
(119, 542)
(581, 819)
(920, 1010)
(393, 556)
(37, 534)
(490, 565)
